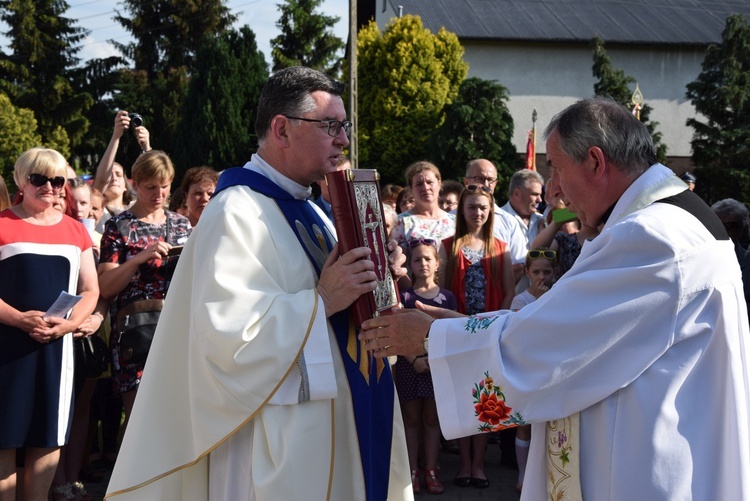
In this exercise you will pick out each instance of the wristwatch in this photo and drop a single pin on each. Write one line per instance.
(426, 345)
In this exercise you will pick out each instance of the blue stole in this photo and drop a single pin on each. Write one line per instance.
(370, 380)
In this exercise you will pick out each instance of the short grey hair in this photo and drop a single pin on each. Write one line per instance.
(522, 178)
(732, 208)
(605, 123)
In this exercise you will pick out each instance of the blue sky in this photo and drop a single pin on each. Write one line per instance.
(260, 15)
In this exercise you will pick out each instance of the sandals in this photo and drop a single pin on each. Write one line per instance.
(415, 482)
(433, 484)
(69, 492)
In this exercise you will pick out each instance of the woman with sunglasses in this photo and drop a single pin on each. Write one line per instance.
(43, 254)
(479, 272)
(135, 263)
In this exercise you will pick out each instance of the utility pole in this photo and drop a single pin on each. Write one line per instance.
(353, 117)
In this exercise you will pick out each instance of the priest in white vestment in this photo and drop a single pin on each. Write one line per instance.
(633, 368)
(247, 393)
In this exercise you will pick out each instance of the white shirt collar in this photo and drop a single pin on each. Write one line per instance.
(298, 191)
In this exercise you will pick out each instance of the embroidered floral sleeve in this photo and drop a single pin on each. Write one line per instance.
(490, 407)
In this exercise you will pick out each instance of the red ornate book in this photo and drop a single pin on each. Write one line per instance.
(358, 216)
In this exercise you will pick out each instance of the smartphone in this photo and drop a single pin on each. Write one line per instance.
(563, 215)
(175, 250)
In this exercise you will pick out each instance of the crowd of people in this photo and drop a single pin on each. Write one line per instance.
(112, 244)
(240, 375)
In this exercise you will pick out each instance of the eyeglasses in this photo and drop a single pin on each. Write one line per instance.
(421, 241)
(473, 187)
(334, 126)
(39, 180)
(483, 179)
(546, 254)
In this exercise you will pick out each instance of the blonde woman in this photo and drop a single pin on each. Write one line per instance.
(43, 253)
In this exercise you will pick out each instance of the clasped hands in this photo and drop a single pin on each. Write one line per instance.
(44, 329)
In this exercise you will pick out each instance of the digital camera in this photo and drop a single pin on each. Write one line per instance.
(135, 119)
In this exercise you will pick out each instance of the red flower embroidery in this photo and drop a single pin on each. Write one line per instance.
(491, 410)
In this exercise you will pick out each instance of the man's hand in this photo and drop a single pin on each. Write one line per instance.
(436, 312)
(402, 333)
(343, 279)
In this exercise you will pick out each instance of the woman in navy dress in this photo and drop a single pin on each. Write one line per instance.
(42, 253)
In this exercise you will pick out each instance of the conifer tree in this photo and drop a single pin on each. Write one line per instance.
(38, 71)
(218, 115)
(169, 33)
(721, 94)
(306, 38)
(613, 82)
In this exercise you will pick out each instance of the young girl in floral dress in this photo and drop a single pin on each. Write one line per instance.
(412, 374)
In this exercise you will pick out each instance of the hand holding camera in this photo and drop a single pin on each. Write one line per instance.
(135, 119)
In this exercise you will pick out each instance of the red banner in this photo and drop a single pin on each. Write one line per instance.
(531, 150)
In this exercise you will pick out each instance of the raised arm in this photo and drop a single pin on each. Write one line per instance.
(122, 124)
(104, 170)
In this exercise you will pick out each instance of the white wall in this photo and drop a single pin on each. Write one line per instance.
(550, 77)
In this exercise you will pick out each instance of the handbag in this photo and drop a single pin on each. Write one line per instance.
(91, 356)
(136, 325)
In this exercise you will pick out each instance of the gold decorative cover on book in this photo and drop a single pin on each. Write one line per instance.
(358, 216)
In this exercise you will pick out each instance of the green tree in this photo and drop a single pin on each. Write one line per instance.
(218, 114)
(613, 82)
(38, 72)
(306, 38)
(407, 76)
(478, 124)
(721, 94)
(18, 133)
(169, 33)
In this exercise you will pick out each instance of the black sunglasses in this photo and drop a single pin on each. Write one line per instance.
(39, 180)
(474, 187)
(546, 254)
(423, 241)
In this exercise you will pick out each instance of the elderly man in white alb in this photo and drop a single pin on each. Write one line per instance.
(256, 387)
(633, 368)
